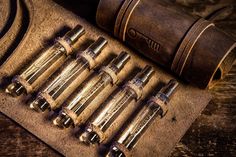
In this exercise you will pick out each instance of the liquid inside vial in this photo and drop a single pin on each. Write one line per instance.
(89, 90)
(42, 68)
(112, 109)
(138, 125)
(55, 91)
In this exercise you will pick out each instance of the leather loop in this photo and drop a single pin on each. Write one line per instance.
(111, 73)
(160, 103)
(89, 59)
(187, 45)
(49, 99)
(65, 45)
(136, 89)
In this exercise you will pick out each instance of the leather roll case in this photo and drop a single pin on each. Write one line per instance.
(191, 47)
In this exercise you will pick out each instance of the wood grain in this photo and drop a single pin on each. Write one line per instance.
(16, 141)
(213, 133)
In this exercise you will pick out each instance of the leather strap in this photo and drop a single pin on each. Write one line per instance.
(123, 17)
(185, 49)
(120, 15)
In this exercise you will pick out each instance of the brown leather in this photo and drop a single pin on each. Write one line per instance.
(185, 48)
(190, 46)
(159, 139)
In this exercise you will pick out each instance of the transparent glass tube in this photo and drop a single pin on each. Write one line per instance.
(51, 96)
(97, 84)
(141, 122)
(61, 83)
(47, 99)
(136, 128)
(95, 131)
(118, 102)
(89, 90)
(49, 57)
(107, 116)
(53, 57)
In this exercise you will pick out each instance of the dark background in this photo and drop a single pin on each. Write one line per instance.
(212, 134)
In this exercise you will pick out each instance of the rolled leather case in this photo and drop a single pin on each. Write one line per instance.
(190, 46)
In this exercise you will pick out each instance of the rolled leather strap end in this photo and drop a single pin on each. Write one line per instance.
(211, 58)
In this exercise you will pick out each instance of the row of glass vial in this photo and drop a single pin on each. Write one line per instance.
(73, 111)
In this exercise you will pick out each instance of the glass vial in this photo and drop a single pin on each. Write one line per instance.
(70, 115)
(51, 97)
(46, 64)
(95, 132)
(157, 106)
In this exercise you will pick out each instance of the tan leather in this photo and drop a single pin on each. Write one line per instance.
(45, 24)
(191, 47)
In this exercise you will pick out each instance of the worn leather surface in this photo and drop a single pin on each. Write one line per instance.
(14, 28)
(171, 37)
(5, 14)
(43, 26)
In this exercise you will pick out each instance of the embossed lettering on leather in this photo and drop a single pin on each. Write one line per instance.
(190, 46)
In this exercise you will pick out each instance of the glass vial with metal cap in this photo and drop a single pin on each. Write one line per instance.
(157, 106)
(65, 83)
(96, 130)
(72, 114)
(46, 64)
